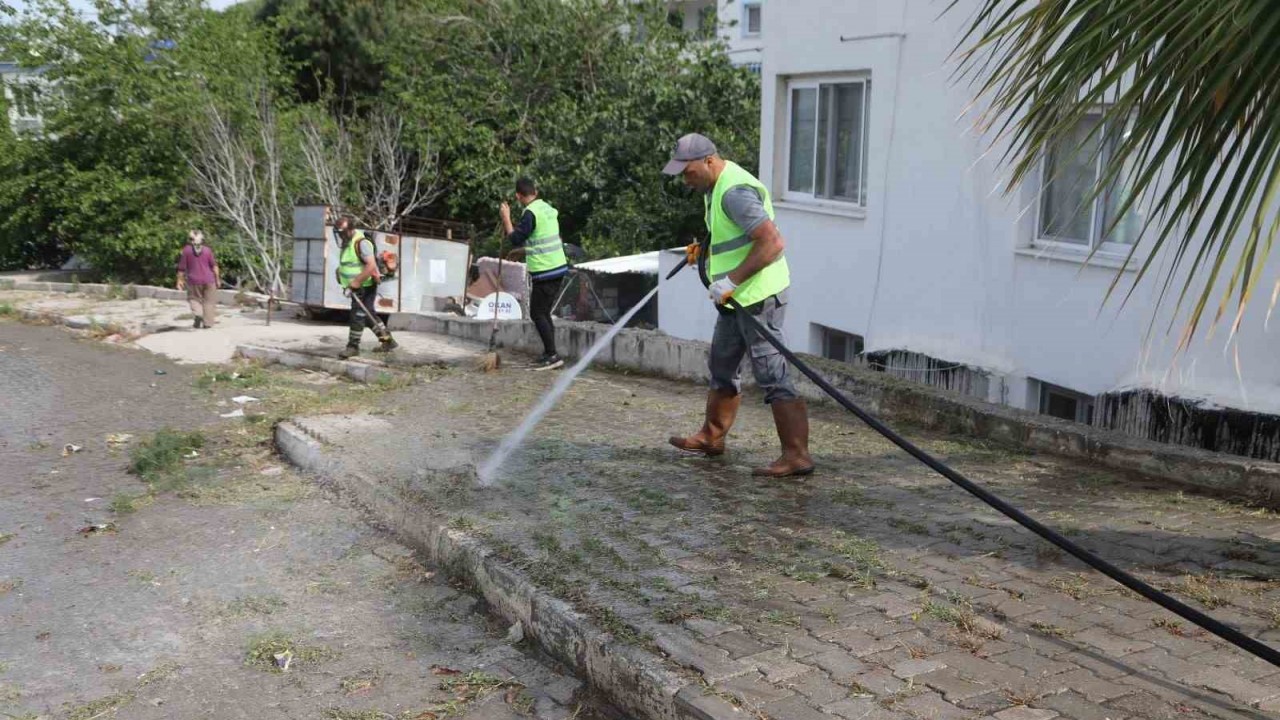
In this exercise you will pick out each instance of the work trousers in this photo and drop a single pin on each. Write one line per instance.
(359, 319)
(203, 299)
(734, 338)
(542, 301)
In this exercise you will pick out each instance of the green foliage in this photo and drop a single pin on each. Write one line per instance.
(164, 452)
(586, 96)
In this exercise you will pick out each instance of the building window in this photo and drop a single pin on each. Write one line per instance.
(827, 140)
(1067, 404)
(751, 19)
(1071, 171)
(707, 22)
(753, 68)
(838, 345)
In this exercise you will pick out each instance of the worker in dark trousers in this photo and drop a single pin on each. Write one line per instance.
(358, 274)
(538, 234)
(745, 261)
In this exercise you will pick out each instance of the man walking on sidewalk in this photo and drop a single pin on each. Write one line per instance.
(199, 275)
(358, 274)
(539, 234)
(744, 261)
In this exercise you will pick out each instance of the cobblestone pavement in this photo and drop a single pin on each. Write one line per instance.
(154, 615)
(874, 590)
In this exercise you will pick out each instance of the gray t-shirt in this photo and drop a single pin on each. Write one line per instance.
(745, 207)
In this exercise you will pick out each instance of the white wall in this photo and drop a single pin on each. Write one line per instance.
(940, 262)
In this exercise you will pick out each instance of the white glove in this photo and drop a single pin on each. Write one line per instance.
(721, 289)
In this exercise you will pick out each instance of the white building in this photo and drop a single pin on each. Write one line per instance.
(904, 252)
(22, 85)
(739, 23)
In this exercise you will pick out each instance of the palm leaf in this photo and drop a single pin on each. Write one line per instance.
(1194, 82)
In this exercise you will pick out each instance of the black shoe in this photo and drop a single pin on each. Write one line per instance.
(548, 362)
(387, 346)
(349, 351)
(198, 323)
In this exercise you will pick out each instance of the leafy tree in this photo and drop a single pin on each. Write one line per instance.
(586, 96)
(1190, 82)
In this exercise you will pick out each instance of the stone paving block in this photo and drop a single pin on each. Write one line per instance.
(1026, 713)
(931, 706)
(893, 605)
(879, 626)
(753, 688)
(817, 686)
(1012, 608)
(1162, 662)
(858, 642)
(1240, 662)
(775, 665)
(879, 681)
(953, 687)
(709, 628)
(698, 703)
(1181, 645)
(1119, 622)
(793, 708)
(919, 642)
(1092, 687)
(738, 644)
(839, 663)
(1104, 667)
(713, 662)
(863, 709)
(979, 670)
(801, 645)
(1110, 643)
(1224, 681)
(986, 704)
(1075, 706)
(911, 668)
(1034, 664)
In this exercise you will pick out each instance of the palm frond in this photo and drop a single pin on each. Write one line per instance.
(1196, 85)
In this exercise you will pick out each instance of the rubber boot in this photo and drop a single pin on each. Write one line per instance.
(386, 344)
(722, 409)
(792, 420)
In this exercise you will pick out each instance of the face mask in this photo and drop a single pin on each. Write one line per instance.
(197, 242)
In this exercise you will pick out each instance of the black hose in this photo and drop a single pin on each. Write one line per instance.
(1222, 630)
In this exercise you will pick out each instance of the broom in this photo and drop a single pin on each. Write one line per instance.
(491, 361)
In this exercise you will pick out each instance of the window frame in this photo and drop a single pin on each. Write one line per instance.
(814, 198)
(747, 6)
(1095, 243)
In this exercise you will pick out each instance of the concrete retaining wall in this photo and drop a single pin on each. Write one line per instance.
(893, 399)
(358, 371)
(126, 292)
(632, 678)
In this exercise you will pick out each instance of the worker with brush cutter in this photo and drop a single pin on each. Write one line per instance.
(359, 275)
(745, 261)
(538, 237)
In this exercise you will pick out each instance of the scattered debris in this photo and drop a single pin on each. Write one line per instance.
(442, 670)
(242, 399)
(117, 439)
(271, 471)
(161, 372)
(92, 499)
(238, 412)
(69, 449)
(283, 660)
(192, 455)
(97, 528)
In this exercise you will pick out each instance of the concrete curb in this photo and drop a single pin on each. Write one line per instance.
(359, 371)
(129, 292)
(898, 400)
(631, 678)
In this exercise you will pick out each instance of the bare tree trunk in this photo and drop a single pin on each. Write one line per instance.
(238, 176)
(397, 180)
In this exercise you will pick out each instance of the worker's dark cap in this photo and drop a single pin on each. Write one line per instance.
(689, 148)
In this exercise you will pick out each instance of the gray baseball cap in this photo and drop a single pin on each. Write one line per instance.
(689, 148)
